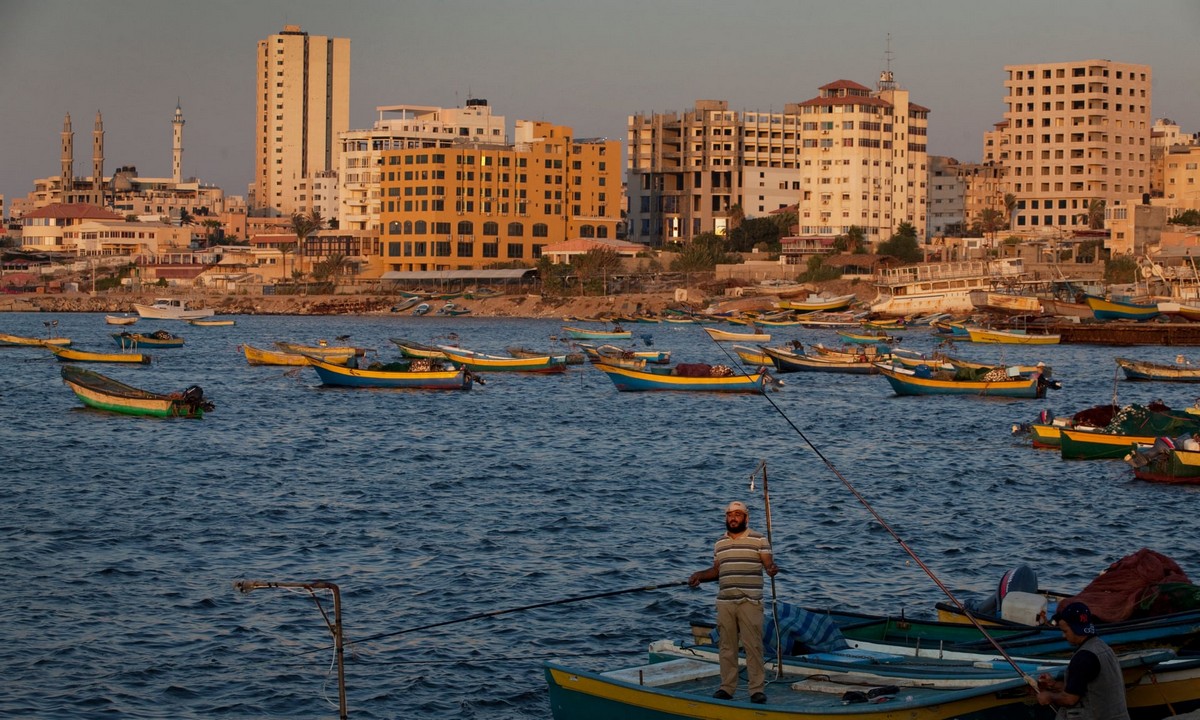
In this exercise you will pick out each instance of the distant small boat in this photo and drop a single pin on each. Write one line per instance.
(69, 355)
(321, 349)
(1008, 337)
(411, 349)
(874, 338)
(722, 335)
(786, 361)
(19, 341)
(524, 352)
(694, 378)
(912, 383)
(1104, 309)
(104, 393)
(120, 319)
(415, 374)
(453, 309)
(158, 339)
(171, 309)
(212, 323)
(1173, 372)
(262, 356)
(752, 356)
(816, 303)
(480, 362)
(421, 309)
(583, 334)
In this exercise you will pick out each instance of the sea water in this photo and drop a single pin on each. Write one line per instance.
(122, 537)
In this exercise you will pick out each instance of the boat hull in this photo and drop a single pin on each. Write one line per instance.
(1083, 445)
(69, 355)
(1025, 387)
(631, 380)
(261, 356)
(159, 312)
(339, 376)
(582, 334)
(1142, 370)
(1109, 310)
(19, 341)
(716, 334)
(103, 393)
(984, 335)
(478, 362)
(132, 341)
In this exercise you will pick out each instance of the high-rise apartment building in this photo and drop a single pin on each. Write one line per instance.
(302, 103)
(848, 157)
(1076, 133)
(475, 204)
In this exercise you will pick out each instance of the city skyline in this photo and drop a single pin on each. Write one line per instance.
(587, 67)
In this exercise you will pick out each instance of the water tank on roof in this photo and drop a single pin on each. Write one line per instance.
(476, 102)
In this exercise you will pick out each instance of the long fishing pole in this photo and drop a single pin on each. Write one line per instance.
(762, 467)
(884, 524)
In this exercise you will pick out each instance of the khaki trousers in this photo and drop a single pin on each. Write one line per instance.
(741, 619)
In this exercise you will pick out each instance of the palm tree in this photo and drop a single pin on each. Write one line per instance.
(990, 221)
(1010, 210)
(1096, 215)
(305, 225)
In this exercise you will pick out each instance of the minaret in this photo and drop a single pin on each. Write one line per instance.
(68, 157)
(177, 154)
(98, 161)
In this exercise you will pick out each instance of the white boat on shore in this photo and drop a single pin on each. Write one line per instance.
(926, 288)
(171, 309)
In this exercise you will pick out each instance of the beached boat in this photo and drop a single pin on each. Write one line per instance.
(1009, 337)
(1064, 308)
(925, 288)
(1103, 309)
(20, 341)
(818, 303)
(1005, 303)
(157, 339)
(1187, 311)
(64, 354)
(104, 393)
(421, 309)
(906, 382)
(203, 322)
(262, 356)
(787, 361)
(453, 309)
(686, 377)
(1169, 372)
(724, 335)
(121, 319)
(1165, 462)
(480, 362)
(419, 374)
(617, 333)
(171, 309)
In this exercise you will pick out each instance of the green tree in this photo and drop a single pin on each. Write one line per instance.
(763, 233)
(703, 253)
(596, 267)
(553, 276)
(1187, 217)
(990, 222)
(902, 245)
(303, 226)
(331, 268)
(853, 241)
(818, 271)
(1096, 214)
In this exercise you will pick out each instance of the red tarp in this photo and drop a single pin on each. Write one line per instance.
(1115, 594)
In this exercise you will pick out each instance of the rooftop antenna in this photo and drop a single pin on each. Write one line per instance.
(887, 81)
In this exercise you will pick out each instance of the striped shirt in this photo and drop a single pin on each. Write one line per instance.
(740, 566)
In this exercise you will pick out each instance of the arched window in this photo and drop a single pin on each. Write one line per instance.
(602, 231)
(408, 227)
(541, 230)
(491, 228)
(394, 227)
(466, 227)
(587, 231)
(516, 229)
(420, 227)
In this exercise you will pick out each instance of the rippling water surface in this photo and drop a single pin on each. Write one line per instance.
(121, 537)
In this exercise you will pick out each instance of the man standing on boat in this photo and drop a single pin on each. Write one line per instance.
(1093, 687)
(739, 559)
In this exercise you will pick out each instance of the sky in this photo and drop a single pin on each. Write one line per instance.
(586, 64)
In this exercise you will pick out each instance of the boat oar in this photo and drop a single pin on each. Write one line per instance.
(506, 611)
(762, 467)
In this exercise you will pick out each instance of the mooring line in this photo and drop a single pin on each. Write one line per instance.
(884, 524)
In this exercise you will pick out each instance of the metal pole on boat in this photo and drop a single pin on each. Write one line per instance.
(762, 467)
(245, 586)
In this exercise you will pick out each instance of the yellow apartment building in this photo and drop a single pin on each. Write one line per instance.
(1181, 179)
(301, 104)
(475, 205)
(1076, 133)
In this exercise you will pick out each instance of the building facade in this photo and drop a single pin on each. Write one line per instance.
(301, 106)
(1077, 133)
(475, 205)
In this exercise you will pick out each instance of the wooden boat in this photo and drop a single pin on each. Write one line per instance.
(1103, 309)
(407, 303)
(850, 353)
(1189, 312)
(453, 309)
(878, 338)
(629, 379)
(518, 351)
(926, 288)
(817, 303)
(1169, 372)
(64, 354)
(909, 383)
(261, 356)
(1076, 444)
(212, 323)
(1005, 303)
(321, 350)
(1129, 426)
(170, 309)
(416, 374)
(158, 339)
(654, 357)
(1009, 337)
(1165, 462)
(104, 393)
(953, 329)
(19, 341)
(757, 336)
(411, 349)
(753, 356)
(421, 309)
(120, 319)
(822, 320)
(617, 333)
(787, 361)
(1063, 308)
(480, 362)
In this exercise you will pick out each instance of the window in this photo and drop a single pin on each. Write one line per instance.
(515, 250)
(540, 230)
(587, 231)
(515, 229)
(466, 227)
(491, 228)
(491, 250)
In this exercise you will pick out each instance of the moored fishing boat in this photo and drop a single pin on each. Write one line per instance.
(158, 339)
(687, 377)
(171, 309)
(419, 374)
(1104, 309)
(104, 393)
(878, 339)
(752, 356)
(756, 336)
(262, 356)
(912, 383)
(517, 351)
(1009, 337)
(1165, 462)
(7, 340)
(412, 349)
(120, 319)
(208, 322)
(64, 354)
(787, 361)
(817, 303)
(1146, 370)
(617, 333)
(654, 357)
(321, 349)
(479, 362)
